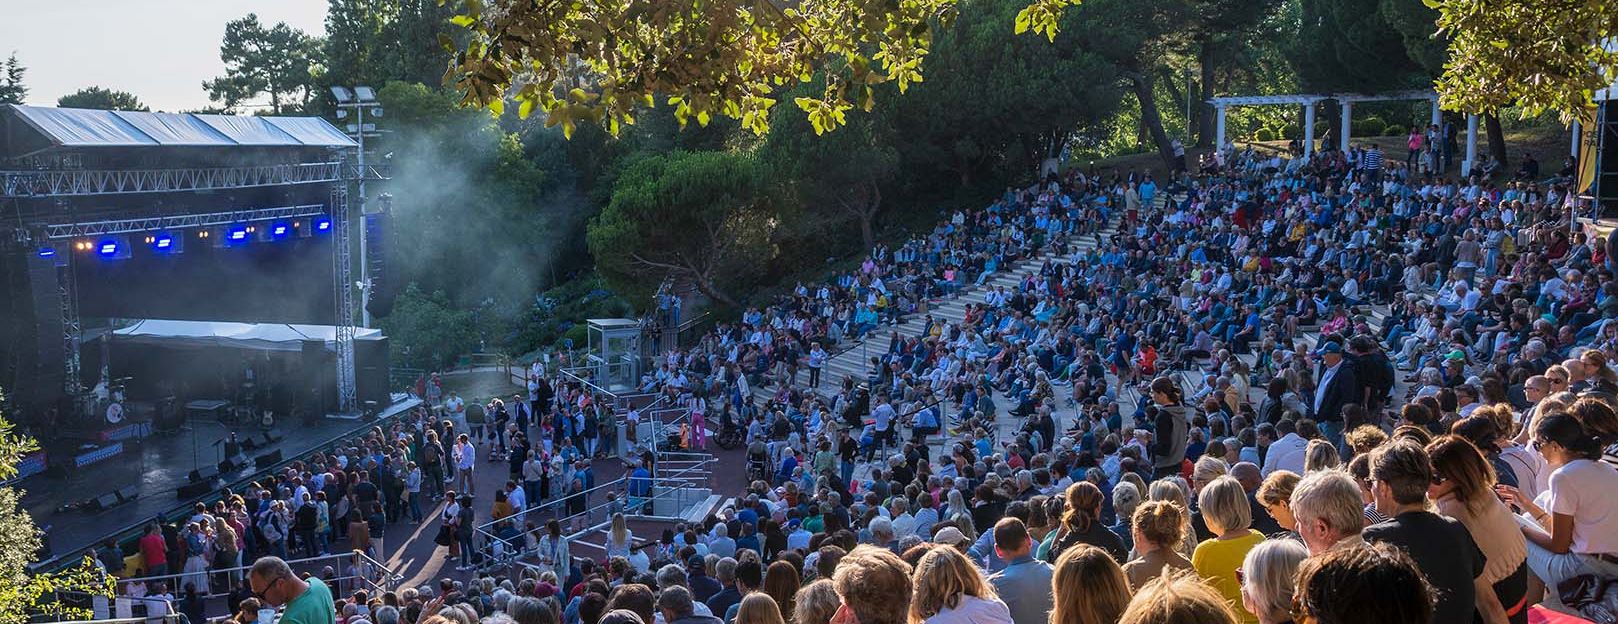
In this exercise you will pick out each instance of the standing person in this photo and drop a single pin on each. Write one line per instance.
(448, 518)
(1336, 387)
(464, 525)
(466, 458)
(432, 463)
(413, 481)
(154, 551)
(1173, 423)
(1441, 547)
(816, 361)
(1025, 582)
(306, 601)
(947, 588)
(1087, 587)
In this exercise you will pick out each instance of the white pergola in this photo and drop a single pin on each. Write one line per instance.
(1346, 101)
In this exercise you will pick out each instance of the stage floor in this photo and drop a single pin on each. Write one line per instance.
(158, 466)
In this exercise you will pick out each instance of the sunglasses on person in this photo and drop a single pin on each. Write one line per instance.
(260, 594)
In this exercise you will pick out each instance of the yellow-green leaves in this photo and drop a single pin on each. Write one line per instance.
(599, 60)
(1041, 17)
(1542, 56)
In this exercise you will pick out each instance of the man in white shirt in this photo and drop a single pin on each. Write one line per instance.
(1286, 453)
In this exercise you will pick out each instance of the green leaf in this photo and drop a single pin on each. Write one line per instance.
(525, 108)
(497, 107)
(1024, 19)
(464, 21)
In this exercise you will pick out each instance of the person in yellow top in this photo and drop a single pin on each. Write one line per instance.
(1228, 515)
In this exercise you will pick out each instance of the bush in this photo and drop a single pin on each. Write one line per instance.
(1264, 134)
(1291, 131)
(1367, 127)
(1395, 131)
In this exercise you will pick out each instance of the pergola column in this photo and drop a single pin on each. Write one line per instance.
(1219, 127)
(1348, 116)
(1308, 129)
(1471, 143)
(1437, 115)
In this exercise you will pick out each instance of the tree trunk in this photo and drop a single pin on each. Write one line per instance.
(1207, 62)
(1497, 139)
(1150, 119)
(707, 287)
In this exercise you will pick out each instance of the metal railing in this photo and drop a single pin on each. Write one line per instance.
(385, 579)
(662, 487)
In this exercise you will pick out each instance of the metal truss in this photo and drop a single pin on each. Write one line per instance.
(152, 224)
(72, 329)
(60, 183)
(343, 267)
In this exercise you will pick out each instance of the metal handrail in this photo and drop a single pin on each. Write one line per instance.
(392, 578)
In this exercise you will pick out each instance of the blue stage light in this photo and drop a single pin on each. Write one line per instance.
(47, 252)
(107, 249)
(279, 230)
(238, 233)
(163, 242)
(322, 223)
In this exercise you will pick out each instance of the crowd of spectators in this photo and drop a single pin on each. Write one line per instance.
(1339, 389)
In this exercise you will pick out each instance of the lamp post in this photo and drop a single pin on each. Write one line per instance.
(359, 101)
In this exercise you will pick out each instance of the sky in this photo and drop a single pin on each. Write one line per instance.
(159, 50)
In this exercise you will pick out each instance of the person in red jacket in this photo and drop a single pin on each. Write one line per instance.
(154, 551)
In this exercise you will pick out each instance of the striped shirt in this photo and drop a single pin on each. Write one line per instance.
(1371, 161)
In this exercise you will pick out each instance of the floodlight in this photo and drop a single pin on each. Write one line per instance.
(342, 113)
(342, 94)
(365, 94)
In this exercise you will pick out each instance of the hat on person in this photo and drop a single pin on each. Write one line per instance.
(949, 535)
(695, 561)
(1330, 347)
(1455, 355)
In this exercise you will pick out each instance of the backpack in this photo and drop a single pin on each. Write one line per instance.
(269, 526)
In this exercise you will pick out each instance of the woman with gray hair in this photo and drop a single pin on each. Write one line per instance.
(1266, 579)
(1125, 498)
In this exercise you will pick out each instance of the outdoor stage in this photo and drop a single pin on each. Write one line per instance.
(158, 466)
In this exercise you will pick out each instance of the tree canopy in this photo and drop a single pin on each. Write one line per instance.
(24, 594)
(12, 89)
(602, 60)
(102, 99)
(707, 218)
(270, 61)
(1542, 56)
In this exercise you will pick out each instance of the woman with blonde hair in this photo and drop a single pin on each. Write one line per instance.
(619, 537)
(1230, 518)
(1320, 455)
(758, 608)
(1266, 579)
(1174, 490)
(1177, 599)
(947, 588)
(1157, 527)
(1275, 495)
(1087, 587)
(815, 603)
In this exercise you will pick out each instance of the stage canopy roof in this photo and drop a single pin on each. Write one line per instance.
(75, 127)
(254, 336)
